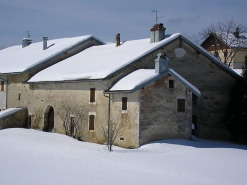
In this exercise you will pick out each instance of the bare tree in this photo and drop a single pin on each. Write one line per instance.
(72, 116)
(225, 37)
(111, 132)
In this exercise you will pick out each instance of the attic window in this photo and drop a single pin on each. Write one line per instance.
(171, 83)
(124, 103)
(92, 95)
(181, 105)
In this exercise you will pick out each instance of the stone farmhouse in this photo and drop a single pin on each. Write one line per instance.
(151, 88)
(234, 45)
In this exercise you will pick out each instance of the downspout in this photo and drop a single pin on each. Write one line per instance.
(109, 113)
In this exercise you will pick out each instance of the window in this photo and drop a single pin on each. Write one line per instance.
(181, 105)
(19, 96)
(124, 103)
(91, 122)
(194, 99)
(92, 95)
(171, 83)
(2, 85)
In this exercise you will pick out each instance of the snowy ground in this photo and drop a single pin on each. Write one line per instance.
(30, 157)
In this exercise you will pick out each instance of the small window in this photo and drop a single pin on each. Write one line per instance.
(2, 85)
(124, 103)
(171, 83)
(19, 96)
(194, 99)
(92, 95)
(91, 122)
(181, 105)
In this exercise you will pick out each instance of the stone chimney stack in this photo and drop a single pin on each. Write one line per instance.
(236, 33)
(157, 33)
(26, 42)
(161, 63)
(118, 40)
(45, 43)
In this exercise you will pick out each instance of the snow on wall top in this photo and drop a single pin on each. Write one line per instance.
(16, 59)
(8, 112)
(97, 62)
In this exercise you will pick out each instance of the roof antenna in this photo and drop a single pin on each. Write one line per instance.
(156, 15)
(28, 34)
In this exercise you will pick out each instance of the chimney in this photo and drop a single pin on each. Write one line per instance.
(157, 33)
(26, 42)
(45, 43)
(236, 33)
(161, 63)
(118, 40)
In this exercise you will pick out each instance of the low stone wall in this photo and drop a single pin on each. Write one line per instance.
(15, 120)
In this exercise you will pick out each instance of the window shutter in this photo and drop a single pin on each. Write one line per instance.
(91, 122)
(2, 85)
(92, 95)
(181, 105)
(124, 103)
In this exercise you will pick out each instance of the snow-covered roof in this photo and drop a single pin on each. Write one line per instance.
(16, 59)
(101, 62)
(232, 41)
(98, 62)
(143, 77)
(9, 112)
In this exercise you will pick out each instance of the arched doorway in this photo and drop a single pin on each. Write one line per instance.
(48, 119)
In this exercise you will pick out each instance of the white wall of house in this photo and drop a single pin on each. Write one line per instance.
(3, 92)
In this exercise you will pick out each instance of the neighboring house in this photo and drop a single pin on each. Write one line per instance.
(23, 61)
(231, 45)
(130, 83)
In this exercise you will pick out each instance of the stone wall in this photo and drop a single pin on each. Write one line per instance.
(159, 118)
(15, 120)
(129, 134)
(40, 97)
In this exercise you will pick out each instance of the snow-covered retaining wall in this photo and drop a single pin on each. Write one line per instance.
(13, 118)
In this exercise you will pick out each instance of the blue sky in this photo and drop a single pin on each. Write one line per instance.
(133, 19)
